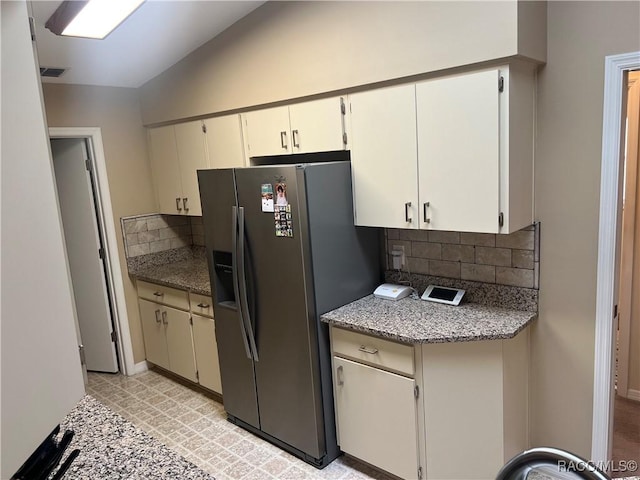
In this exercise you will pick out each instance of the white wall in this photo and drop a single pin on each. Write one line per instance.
(41, 375)
(117, 112)
(288, 50)
(567, 177)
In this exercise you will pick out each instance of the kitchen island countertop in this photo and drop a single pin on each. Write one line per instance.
(412, 320)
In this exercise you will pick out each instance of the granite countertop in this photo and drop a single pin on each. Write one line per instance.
(113, 448)
(412, 320)
(182, 268)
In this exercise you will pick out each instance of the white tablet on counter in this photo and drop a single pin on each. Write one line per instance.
(450, 296)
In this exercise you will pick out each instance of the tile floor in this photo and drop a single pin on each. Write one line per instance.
(195, 426)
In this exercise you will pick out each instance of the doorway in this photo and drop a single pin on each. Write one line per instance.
(626, 416)
(617, 69)
(72, 162)
(93, 139)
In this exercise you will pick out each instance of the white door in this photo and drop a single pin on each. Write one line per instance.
(182, 359)
(225, 147)
(458, 152)
(165, 170)
(192, 156)
(83, 245)
(376, 417)
(384, 157)
(267, 131)
(206, 349)
(317, 126)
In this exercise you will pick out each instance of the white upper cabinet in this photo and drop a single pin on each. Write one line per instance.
(451, 153)
(384, 157)
(224, 141)
(177, 152)
(192, 157)
(165, 169)
(458, 152)
(315, 126)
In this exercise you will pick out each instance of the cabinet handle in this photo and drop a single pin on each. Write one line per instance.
(370, 350)
(158, 294)
(294, 135)
(406, 212)
(178, 207)
(340, 376)
(184, 202)
(203, 305)
(425, 206)
(283, 139)
(158, 316)
(164, 317)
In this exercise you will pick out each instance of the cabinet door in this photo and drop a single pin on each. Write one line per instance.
(165, 169)
(206, 348)
(268, 131)
(384, 157)
(376, 417)
(180, 343)
(153, 333)
(317, 126)
(225, 147)
(192, 156)
(458, 149)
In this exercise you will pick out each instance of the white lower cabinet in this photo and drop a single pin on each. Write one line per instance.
(167, 338)
(179, 333)
(433, 411)
(376, 401)
(154, 333)
(206, 348)
(376, 415)
(180, 343)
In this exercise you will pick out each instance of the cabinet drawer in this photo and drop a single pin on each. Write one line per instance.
(166, 295)
(375, 351)
(201, 304)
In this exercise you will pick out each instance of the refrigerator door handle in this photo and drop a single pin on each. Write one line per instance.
(234, 263)
(242, 283)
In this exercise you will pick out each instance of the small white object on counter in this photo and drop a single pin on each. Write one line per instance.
(389, 291)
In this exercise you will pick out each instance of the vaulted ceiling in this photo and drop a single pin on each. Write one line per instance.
(154, 37)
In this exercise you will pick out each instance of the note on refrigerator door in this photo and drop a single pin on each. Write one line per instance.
(267, 197)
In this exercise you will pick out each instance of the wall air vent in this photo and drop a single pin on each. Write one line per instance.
(51, 71)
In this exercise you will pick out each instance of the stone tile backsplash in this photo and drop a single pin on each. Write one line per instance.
(144, 234)
(512, 259)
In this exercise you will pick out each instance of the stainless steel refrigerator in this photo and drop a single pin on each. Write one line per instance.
(277, 264)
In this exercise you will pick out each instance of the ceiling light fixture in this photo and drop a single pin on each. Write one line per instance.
(90, 18)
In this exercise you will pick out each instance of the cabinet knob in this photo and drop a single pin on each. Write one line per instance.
(178, 207)
(184, 203)
(340, 376)
(158, 294)
(164, 317)
(203, 305)
(157, 316)
(283, 139)
(296, 140)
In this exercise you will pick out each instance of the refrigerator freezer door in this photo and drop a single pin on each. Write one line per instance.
(218, 197)
(287, 373)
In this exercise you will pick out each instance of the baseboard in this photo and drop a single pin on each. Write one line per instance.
(140, 367)
(633, 395)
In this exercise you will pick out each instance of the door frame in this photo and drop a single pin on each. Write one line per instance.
(105, 220)
(616, 67)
